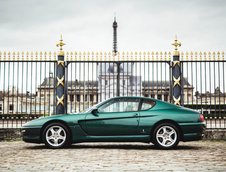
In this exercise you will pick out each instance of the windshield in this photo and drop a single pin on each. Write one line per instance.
(93, 107)
(89, 109)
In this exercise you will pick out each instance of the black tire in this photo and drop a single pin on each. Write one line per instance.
(56, 135)
(166, 136)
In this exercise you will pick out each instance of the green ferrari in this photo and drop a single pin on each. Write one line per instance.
(119, 119)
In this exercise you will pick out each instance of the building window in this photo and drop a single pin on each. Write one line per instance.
(106, 82)
(11, 107)
(0, 107)
(159, 97)
(124, 82)
(152, 96)
(86, 98)
(71, 98)
(78, 97)
(91, 98)
(165, 97)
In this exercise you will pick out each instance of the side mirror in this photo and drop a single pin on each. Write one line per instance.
(95, 112)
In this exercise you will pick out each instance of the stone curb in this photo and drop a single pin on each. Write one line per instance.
(215, 134)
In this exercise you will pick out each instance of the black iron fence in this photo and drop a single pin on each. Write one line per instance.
(29, 82)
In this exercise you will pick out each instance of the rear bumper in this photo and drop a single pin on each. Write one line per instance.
(31, 135)
(193, 132)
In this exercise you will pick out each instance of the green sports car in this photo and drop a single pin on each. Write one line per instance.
(119, 119)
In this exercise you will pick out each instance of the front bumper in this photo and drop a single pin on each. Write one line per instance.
(31, 135)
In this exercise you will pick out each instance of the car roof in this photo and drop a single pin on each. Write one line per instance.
(140, 97)
(147, 98)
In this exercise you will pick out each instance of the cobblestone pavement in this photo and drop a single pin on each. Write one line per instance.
(189, 156)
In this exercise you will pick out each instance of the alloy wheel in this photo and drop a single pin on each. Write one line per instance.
(55, 136)
(166, 136)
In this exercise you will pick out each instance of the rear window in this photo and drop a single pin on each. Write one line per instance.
(147, 104)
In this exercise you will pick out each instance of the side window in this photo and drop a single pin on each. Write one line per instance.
(147, 104)
(121, 105)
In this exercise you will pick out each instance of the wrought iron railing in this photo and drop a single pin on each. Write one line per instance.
(28, 82)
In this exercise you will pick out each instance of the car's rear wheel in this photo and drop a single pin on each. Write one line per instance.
(56, 135)
(166, 136)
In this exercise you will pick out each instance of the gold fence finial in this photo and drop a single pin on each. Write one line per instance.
(61, 44)
(176, 44)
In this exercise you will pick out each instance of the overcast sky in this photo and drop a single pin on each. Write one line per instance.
(86, 25)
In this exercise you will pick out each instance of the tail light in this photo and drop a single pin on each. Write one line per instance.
(201, 118)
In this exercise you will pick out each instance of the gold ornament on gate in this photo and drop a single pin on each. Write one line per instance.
(176, 81)
(176, 100)
(61, 44)
(60, 100)
(60, 81)
(176, 44)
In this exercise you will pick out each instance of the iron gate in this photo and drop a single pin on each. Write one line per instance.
(29, 81)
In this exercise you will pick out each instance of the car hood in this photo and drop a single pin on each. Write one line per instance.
(68, 118)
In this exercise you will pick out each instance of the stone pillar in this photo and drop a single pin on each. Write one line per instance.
(176, 74)
(60, 80)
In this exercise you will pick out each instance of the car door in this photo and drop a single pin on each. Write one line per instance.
(148, 116)
(119, 116)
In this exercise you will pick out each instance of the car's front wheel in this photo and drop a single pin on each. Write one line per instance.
(166, 136)
(56, 135)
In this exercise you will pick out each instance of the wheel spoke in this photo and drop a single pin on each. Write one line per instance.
(160, 135)
(61, 137)
(50, 137)
(59, 130)
(55, 142)
(170, 139)
(164, 141)
(164, 130)
(171, 133)
(52, 131)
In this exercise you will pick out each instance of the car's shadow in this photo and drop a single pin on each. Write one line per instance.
(117, 146)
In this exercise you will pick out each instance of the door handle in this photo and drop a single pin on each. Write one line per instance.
(135, 115)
